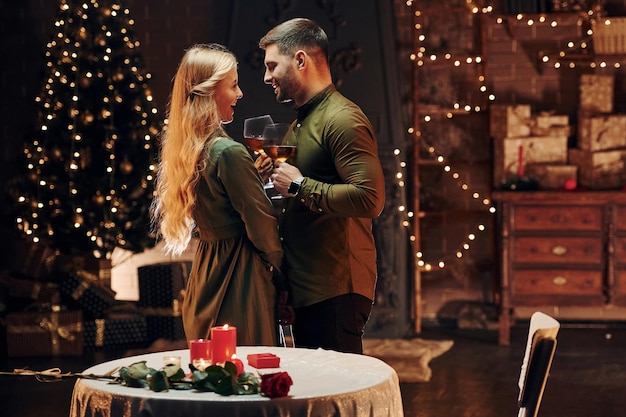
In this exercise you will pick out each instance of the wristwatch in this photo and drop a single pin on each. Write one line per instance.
(294, 187)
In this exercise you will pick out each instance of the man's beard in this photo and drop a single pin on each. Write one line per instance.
(287, 88)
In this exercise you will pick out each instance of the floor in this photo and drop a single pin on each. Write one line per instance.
(476, 378)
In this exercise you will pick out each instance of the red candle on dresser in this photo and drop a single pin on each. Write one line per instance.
(223, 343)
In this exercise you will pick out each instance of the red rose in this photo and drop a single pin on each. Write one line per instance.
(276, 385)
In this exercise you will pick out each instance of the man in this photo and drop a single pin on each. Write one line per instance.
(336, 183)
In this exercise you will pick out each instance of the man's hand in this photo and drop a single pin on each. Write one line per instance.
(283, 175)
(286, 314)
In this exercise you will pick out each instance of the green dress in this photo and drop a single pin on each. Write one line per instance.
(231, 277)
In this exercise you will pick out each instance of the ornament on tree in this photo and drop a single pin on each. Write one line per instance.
(126, 167)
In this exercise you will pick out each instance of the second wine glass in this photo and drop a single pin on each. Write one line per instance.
(279, 143)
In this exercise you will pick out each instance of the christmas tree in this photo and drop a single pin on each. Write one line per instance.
(87, 179)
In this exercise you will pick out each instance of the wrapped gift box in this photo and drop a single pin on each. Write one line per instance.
(99, 268)
(34, 260)
(535, 150)
(596, 93)
(115, 333)
(507, 121)
(263, 360)
(599, 170)
(83, 290)
(49, 333)
(164, 325)
(39, 291)
(598, 133)
(547, 124)
(552, 177)
(161, 284)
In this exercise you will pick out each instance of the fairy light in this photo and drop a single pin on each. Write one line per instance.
(66, 75)
(420, 58)
(576, 52)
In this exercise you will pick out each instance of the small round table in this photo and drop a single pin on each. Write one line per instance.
(325, 383)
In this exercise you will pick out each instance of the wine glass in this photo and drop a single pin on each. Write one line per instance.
(279, 143)
(253, 128)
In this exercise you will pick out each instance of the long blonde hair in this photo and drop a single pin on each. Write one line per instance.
(193, 124)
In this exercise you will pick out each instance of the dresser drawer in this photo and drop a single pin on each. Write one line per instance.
(620, 250)
(558, 250)
(557, 282)
(550, 218)
(620, 222)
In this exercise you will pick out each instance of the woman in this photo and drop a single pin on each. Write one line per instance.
(207, 184)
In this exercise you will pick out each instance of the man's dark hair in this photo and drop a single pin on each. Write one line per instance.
(295, 34)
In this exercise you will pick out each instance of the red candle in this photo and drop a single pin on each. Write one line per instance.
(200, 349)
(223, 343)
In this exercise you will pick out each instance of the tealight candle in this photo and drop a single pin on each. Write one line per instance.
(224, 343)
(201, 364)
(171, 360)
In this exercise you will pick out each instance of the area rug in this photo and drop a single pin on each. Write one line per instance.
(410, 358)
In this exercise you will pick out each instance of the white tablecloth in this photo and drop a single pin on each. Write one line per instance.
(325, 383)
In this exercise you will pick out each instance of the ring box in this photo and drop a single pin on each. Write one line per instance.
(263, 360)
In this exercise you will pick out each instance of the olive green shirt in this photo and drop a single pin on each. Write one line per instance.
(326, 230)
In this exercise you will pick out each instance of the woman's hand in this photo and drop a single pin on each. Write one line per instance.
(264, 165)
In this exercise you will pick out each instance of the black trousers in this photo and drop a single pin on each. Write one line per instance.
(334, 324)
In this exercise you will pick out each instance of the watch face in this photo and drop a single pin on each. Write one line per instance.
(294, 187)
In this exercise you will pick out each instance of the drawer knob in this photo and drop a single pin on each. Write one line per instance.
(559, 281)
(559, 250)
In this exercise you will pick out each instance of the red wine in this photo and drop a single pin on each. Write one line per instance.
(279, 153)
(254, 143)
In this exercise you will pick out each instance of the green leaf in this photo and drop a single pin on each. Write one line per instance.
(230, 368)
(139, 370)
(248, 384)
(182, 386)
(159, 382)
(173, 372)
(226, 386)
(136, 374)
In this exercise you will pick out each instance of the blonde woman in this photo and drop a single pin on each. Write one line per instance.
(207, 185)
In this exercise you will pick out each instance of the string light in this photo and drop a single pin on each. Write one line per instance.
(422, 57)
(65, 55)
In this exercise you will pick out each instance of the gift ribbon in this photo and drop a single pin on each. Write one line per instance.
(154, 311)
(51, 325)
(100, 327)
(88, 279)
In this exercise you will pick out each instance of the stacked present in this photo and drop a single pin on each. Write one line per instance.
(161, 289)
(60, 305)
(530, 145)
(601, 147)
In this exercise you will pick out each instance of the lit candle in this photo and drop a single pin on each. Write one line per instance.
(201, 364)
(200, 349)
(171, 360)
(520, 161)
(223, 343)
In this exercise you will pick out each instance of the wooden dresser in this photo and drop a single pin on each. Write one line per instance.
(560, 249)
